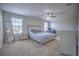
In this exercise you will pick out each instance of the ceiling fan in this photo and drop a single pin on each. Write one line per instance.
(49, 15)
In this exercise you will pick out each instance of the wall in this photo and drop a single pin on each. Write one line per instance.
(66, 30)
(78, 31)
(26, 21)
(1, 29)
(66, 24)
(78, 35)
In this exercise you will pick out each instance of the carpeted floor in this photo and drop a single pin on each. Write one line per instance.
(31, 48)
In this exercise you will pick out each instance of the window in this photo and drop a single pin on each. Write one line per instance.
(45, 26)
(53, 25)
(17, 25)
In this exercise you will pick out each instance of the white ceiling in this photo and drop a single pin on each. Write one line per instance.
(37, 9)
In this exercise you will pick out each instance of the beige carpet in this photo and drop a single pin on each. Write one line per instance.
(31, 48)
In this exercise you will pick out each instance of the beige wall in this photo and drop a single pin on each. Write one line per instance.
(26, 21)
(66, 24)
(66, 30)
(78, 35)
(1, 29)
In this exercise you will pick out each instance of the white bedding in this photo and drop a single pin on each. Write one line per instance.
(42, 37)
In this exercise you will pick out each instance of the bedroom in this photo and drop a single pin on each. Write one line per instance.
(35, 18)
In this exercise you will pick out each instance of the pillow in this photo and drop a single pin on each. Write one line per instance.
(35, 31)
(52, 31)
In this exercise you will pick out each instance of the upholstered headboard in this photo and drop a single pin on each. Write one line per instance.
(34, 27)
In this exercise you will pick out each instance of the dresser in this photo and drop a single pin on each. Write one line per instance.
(24, 36)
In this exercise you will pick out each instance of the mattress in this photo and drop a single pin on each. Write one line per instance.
(42, 37)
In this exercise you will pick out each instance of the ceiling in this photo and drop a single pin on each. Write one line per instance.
(60, 10)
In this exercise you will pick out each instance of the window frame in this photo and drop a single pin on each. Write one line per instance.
(15, 24)
(45, 26)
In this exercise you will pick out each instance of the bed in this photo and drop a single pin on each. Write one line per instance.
(42, 37)
(37, 35)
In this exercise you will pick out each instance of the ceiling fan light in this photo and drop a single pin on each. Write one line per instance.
(48, 17)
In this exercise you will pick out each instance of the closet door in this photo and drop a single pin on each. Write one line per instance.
(1, 30)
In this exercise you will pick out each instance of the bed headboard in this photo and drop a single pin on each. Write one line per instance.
(33, 27)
